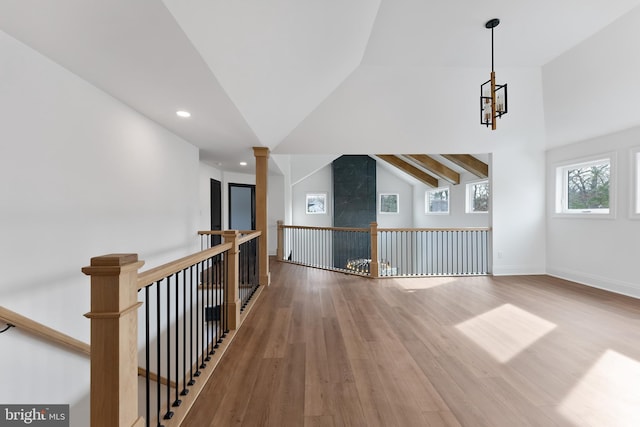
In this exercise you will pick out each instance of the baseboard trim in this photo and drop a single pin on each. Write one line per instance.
(517, 270)
(607, 284)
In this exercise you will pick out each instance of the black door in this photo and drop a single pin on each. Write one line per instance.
(216, 210)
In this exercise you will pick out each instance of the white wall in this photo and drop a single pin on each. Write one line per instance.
(319, 182)
(388, 182)
(593, 89)
(81, 175)
(205, 174)
(598, 252)
(517, 210)
(276, 196)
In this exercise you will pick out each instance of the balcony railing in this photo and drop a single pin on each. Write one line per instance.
(388, 252)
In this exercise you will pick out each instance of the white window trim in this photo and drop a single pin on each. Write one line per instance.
(468, 201)
(380, 195)
(561, 187)
(634, 204)
(426, 201)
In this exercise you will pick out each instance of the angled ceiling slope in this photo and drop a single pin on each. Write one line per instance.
(278, 60)
(136, 52)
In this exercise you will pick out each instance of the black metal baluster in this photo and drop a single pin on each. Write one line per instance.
(225, 279)
(208, 307)
(184, 391)
(147, 357)
(169, 413)
(217, 316)
(192, 284)
(158, 350)
(200, 317)
(177, 401)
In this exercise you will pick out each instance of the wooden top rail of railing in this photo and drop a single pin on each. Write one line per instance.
(305, 227)
(221, 232)
(42, 331)
(158, 273)
(250, 235)
(438, 229)
(211, 232)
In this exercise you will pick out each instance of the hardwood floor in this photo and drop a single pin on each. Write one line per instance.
(328, 349)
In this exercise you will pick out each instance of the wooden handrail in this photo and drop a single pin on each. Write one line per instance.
(221, 232)
(438, 229)
(158, 273)
(246, 237)
(306, 227)
(59, 338)
(42, 331)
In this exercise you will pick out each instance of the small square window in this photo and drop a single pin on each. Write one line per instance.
(388, 203)
(585, 188)
(436, 201)
(478, 197)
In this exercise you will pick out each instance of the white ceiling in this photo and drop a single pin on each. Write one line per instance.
(252, 71)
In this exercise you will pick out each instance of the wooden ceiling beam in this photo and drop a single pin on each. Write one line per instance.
(410, 169)
(469, 163)
(436, 168)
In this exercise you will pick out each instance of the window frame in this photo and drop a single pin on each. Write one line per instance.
(427, 210)
(380, 204)
(561, 187)
(468, 204)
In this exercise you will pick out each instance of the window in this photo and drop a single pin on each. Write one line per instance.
(585, 188)
(388, 203)
(436, 201)
(478, 197)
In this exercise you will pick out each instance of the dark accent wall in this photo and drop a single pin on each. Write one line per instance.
(354, 205)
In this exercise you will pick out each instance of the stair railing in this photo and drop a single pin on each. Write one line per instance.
(191, 311)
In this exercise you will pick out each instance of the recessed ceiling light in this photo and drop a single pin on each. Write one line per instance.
(183, 113)
(243, 163)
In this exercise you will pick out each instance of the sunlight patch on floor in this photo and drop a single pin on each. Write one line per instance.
(505, 331)
(417, 284)
(607, 395)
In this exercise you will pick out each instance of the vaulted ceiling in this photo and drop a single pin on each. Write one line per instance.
(316, 77)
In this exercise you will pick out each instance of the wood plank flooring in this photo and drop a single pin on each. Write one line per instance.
(327, 349)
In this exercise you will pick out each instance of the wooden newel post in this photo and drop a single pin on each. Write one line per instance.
(114, 340)
(280, 249)
(374, 270)
(261, 155)
(232, 296)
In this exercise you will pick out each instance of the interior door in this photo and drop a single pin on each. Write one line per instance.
(242, 207)
(216, 210)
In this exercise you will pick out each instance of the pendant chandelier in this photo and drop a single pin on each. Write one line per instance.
(493, 97)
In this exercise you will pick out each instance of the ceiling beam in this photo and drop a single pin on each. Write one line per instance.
(469, 163)
(409, 169)
(436, 168)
